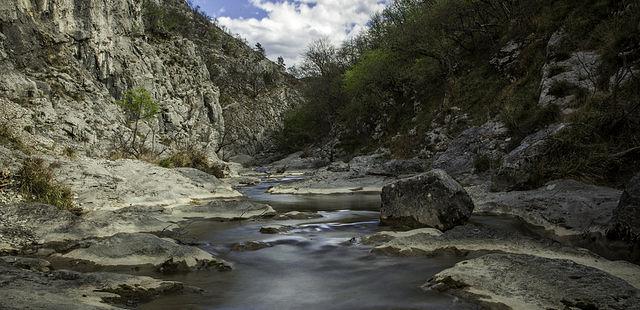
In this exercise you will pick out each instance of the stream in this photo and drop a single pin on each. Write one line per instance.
(316, 265)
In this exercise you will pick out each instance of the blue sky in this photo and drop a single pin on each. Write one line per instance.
(231, 8)
(286, 27)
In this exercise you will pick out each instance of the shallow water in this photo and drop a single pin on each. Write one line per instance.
(317, 265)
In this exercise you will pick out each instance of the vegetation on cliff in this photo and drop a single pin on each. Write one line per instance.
(423, 61)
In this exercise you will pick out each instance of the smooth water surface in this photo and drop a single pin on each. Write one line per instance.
(317, 265)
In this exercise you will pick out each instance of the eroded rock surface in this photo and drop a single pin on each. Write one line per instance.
(432, 199)
(62, 290)
(564, 207)
(144, 249)
(625, 224)
(529, 282)
(102, 184)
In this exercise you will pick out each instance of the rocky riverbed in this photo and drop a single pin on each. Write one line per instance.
(204, 244)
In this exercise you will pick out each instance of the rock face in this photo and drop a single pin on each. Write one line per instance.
(432, 199)
(518, 168)
(528, 282)
(625, 224)
(144, 249)
(63, 64)
(488, 142)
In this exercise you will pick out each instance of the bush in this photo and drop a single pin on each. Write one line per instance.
(560, 89)
(37, 184)
(193, 159)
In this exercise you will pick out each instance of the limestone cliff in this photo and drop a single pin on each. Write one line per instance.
(63, 63)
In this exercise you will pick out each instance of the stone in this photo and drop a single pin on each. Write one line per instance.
(565, 208)
(138, 249)
(61, 289)
(517, 169)
(33, 264)
(297, 215)
(507, 281)
(243, 159)
(250, 246)
(297, 161)
(275, 229)
(489, 141)
(432, 199)
(338, 166)
(474, 239)
(102, 184)
(625, 224)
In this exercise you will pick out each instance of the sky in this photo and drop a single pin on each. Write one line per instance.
(286, 27)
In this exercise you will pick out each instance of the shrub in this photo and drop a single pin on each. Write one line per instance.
(37, 184)
(560, 89)
(10, 139)
(193, 159)
(139, 107)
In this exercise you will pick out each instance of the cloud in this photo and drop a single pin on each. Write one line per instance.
(290, 25)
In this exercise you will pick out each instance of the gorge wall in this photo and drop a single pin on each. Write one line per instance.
(63, 63)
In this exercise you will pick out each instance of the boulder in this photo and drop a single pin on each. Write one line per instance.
(508, 281)
(275, 229)
(145, 249)
(489, 142)
(338, 166)
(518, 168)
(432, 199)
(297, 161)
(625, 224)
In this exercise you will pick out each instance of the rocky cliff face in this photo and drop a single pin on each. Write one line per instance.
(64, 62)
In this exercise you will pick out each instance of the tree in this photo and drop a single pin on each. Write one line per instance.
(281, 63)
(260, 49)
(138, 106)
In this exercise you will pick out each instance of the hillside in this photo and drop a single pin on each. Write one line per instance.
(427, 71)
(65, 63)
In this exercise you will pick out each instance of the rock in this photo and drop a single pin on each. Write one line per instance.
(108, 185)
(297, 215)
(243, 159)
(625, 224)
(564, 207)
(275, 229)
(432, 199)
(250, 246)
(324, 182)
(338, 166)
(297, 161)
(473, 239)
(398, 167)
(62, 290)
(33, 264)
(219, 209)
(144, 249)
(518, 168)
(489, 141)
(499, 281)
(564, 76)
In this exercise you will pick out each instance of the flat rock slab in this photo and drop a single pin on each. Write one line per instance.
(102, 184)
(63, 290)
(473, 238)
(324, 182)
(500, 281)
(144, 249)
(564, 207)
(219, 209)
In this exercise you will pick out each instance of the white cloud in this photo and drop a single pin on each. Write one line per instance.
(291, 25)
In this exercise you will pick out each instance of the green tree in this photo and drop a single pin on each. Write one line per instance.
(139, 107)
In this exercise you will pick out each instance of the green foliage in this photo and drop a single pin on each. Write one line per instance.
(193, 159)
(138, 105)
(37, 184)
(560, 89)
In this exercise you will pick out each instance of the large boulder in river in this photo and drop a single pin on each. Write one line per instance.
(432, 199)
(519, 167)
(625, 224)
